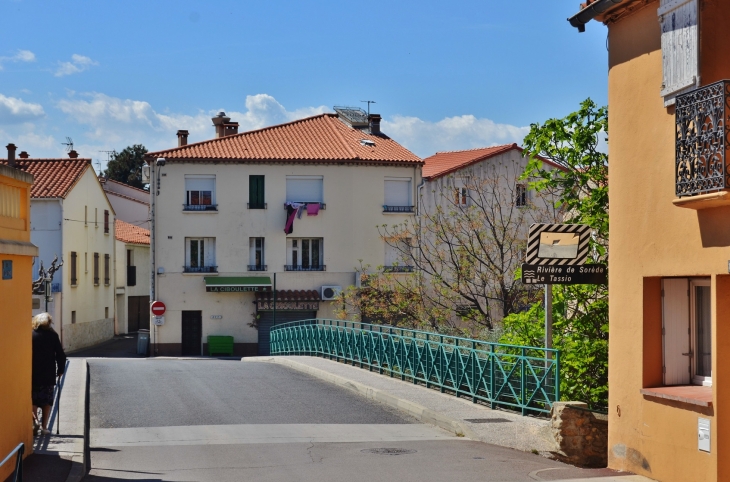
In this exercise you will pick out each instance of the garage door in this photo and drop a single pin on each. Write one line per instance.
(266, 322)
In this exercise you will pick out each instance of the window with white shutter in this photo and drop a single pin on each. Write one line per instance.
(675, 330)
(305, 189)
(680, 47)
(397, 195)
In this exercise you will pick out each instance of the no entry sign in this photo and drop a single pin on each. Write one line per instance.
(158, 308)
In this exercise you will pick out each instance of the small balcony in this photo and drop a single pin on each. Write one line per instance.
(296, 267)
(257, 267)
(701, 143)
(200, 269)
(397, 209)
(200, 207)
(398, 269)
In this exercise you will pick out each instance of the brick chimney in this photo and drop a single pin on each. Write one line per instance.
(23, 155)
(182, 138)
(73, 154)
(11, 154)
(231, 128)
(374, 121)
(220, 122)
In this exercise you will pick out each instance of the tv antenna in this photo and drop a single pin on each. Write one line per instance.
(69, 144)
(108, 158)
(369, 102)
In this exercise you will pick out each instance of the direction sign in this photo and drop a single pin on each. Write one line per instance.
(584, 274)
(557, 244)
(158, 308)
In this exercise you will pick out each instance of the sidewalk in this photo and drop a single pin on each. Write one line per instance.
(457, 415)
(59, 458)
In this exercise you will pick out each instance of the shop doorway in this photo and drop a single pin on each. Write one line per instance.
(192, 333)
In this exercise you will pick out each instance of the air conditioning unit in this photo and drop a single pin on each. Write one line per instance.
(330, 293)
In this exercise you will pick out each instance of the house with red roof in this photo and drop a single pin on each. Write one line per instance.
(132, 276)
(286, 210)
(72, 219)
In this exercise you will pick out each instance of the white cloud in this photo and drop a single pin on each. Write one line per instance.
(78, 63)
(425, 138)
(20, 56)
(14, 110)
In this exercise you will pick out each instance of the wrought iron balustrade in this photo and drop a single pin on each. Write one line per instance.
(701, 142)
(257, 267)
(398, 269)
(521, 378)
(200, 207)
(296, 267)
(397, 209)
(200, 269)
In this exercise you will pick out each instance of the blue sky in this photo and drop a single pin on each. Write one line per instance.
(445, 75)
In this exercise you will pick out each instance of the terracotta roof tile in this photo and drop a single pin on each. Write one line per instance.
(443, 163)
(54, 178)
(320, 138)
(129, 233)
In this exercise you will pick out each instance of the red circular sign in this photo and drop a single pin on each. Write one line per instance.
(158, 308)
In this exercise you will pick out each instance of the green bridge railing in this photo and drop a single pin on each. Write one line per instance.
(516, 377)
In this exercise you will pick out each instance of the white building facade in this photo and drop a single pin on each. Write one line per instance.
(296, 206)
(132, 285)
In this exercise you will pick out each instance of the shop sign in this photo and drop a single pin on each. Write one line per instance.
(237, 289)
(288, 305)
(586, 274)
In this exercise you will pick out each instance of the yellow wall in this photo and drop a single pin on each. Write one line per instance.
(15, 315)
(650, 239)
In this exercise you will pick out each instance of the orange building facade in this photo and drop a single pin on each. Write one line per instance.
(16, 260)
(669, 315)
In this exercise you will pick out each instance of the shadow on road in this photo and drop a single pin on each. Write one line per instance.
(121, 346)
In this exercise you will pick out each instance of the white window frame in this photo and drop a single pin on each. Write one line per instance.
(295, 246)
(292, 193)
(190, 181)
(694, 283)
(522, 196)
(395, 256)
(253, 249)
(398, 181)
(206, 254)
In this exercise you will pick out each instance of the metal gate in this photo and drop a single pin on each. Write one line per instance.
(138, 313)
(266, 322)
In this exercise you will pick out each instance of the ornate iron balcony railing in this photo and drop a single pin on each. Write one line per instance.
(298, 267)
(200, 207)
(398, 269)
(520, 378)
(398, 209)
(200, 269)
(257, 267)
(701, 144)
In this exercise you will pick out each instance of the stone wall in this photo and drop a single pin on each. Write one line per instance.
(581, 436)
(82, 335)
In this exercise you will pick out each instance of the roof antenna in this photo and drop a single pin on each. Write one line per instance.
(108, 158)
(369, 102)
(69, 144)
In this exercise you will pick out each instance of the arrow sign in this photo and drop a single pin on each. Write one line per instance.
(158, 308)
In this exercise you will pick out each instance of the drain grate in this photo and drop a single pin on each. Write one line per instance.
(387, 451)
(487, 420)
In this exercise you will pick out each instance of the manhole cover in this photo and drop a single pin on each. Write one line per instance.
(386, 451)
(487, 420)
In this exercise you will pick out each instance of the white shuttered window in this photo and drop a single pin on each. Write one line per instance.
(675, 328)
(397, 191)
(680, 41)
(305, 189)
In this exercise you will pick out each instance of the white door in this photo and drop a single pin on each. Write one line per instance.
(676, 328)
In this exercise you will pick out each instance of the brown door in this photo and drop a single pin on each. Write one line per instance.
(138, 313)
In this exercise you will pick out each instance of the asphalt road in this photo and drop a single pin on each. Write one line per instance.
(214, 420)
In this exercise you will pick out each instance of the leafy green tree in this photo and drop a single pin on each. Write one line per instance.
(126, 166)
(580, 312)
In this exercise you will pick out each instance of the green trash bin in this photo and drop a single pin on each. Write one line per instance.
(220, 345)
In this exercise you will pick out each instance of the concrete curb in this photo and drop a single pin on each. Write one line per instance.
(415, 410)
(80, 463)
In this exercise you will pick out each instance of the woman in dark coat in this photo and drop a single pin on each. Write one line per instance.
(49, 362)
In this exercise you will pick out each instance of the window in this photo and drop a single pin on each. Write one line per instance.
(200, 255)
(106, 270)
(74, 278)
(256, 198)
(678, 22)
(200, 193)
(73, 317)
(687, 331)
(305, 254)
(106, 222)
(460, 196)
(397, 255)
(256, 254)
(397, 195)
(521, 195)
(96, 269)
(106, 312)
(305, 189)
(130, 257)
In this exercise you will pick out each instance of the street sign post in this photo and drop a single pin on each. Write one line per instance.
(158, 308)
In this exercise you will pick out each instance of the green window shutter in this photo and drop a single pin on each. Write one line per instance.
(256, 191)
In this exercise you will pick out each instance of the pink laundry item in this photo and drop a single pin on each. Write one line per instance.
(312, 209)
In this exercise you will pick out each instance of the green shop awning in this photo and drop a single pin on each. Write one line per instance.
(237, 284)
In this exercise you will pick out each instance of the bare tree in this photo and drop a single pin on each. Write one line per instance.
(465, 246)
